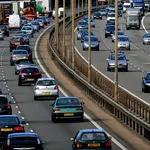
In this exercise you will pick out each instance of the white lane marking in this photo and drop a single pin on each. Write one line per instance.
(143, 22)
(17, 107)
(133, 55)
(27, 124)
(65, 94)
(31, 130)
(146, 63)
(19, 112)
(23, 118)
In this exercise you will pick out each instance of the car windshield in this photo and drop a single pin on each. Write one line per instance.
(3, 100)
(126, 6)
(148, 76)
(24, 62)
(138, 4)
(23, 47)
(30, 70)
(120, 57)
(111, 15)
(147, 35)
(19, 52)
(93, 136)
(103, 10)
(92, 39)
(46, 82)
(23, 35)
(110, 28)
(9, 121)
(26, 28)
(2, 27)
(82, 23)
(122, 38)
(67, 101)
(84, 31)
(16, 39)
(97, 13)
(23, 141)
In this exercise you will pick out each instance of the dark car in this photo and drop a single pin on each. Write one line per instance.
(24, 20)
(109, 30)
(9, 124)
(4, 29)
(120, 6)
(5, 107)
(27, 48)
(26, 38)
(21, 32)
(44, 19)
(23, 141)
(146, 83)
(97, 15)
(29, 74)
(91, 139)
(15, 41)
(110, 23)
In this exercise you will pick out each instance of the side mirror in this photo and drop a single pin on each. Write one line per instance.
(23, 122)
(51, 105)
(10, 102)
(110, 137)
(43, 143)
(71, 139)
(82, 103)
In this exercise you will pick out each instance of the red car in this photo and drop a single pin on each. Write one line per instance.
(15, 41)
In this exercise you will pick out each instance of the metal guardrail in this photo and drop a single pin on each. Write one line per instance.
(133, 112)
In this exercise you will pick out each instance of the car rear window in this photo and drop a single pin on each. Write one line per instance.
(46, 82)
(24, 62)
(23, 141)
(19, 52)
(93, 136)
(23, 47)
(27, 28)
(67, 101)
(16, 39)
(30, 70)
(3, 100)
(9, 121)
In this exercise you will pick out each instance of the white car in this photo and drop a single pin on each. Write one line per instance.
(111, 17)
(46, 87)
(1, 35)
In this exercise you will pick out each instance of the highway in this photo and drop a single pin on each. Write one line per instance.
(139, 56)
(37, 114)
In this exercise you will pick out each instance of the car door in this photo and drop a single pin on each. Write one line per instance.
(75, 140)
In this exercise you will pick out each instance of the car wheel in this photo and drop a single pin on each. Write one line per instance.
(16, 73)
(42, 26)
(37, 30)
(143, 43)
(11, 64)
(77, 38)
(127, 28)
(105, 36)
(83, 48)
(32, 35)
(129, 48)
(53, 118)
(126, 70)
(145, 89)
(8, 34)
(19, 83)
(112, 41)
(82, 119)
(108, 69)
(10, 49)
(35, 98)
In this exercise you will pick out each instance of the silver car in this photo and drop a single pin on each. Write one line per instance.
(122, 62)
(17, 55)
(23, 63)
(119, 33)
(82, 25)
(92, 22)
(123, 42)
(46, 87)
(1, 35)
(29, 30)
(146, 38)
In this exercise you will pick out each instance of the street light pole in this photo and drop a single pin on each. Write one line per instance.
(73, 34)
(89, 41)
(64, 13)
(116, 52)
(56, 23)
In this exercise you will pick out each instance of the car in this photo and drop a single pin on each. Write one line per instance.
(15, 41)
(41, 22)
(1, 35)
(24, 20)
(85, 34)
(5, 105)
(17, 55)
(1, 91)
(94, 43)
(36, 25)
(122, 62)
(23, 63)
(23, 141)
(86, 17)
(80, 33)
(29, 74)
(82, 25)
(47, 19)
(67, 107)
(120, 6)
(46, 87)
(91, 139)
(21, 32)
(110, 23)
(4, 29)
(109, 30)
(119, 33)
(26, 38)
(29, 30)
(123, 42)
(97, 15)
(146, 38)
(10, 124)
(27, 48)
(119, 13)
(111, 7)
(44, 19)
(92, 22)
(111, 17)
(31, 25)
(146, 83)
(103, 12)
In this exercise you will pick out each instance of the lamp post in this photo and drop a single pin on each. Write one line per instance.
(73, 34)
(89, 41)
(116, 52)
(64, 14)
(56, 23)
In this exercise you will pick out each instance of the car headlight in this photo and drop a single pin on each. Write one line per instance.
(147, 84)
(86, 44)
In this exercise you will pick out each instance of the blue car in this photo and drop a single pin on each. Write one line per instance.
(91, 139)
(146, 83)
(36, 25)
(94, 43)
(110, 23)
(82, 25)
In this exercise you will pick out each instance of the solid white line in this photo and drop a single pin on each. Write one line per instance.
(65, 94)
(143, 22)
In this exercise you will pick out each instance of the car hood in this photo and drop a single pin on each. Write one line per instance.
(112, 62)
(123, 42)
(146, 38)
(147, 81)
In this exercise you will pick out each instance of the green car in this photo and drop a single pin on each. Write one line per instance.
(66, 108)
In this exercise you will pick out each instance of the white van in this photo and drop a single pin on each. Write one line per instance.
(60, 12)
(14, 21)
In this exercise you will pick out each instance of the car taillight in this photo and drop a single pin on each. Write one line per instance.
(79, 144)
(13, 56)
(0, 92)
(36, 88)
(79, 108)
(56, 87)
(27, 39)
(30, 51)
(11, 42)
(8, 106)
(38, 141)
(108, 144)
(27, 56)
(56, 109)
(19, 67)
(20, 128)
(8, 142)
(37, 73)
(23, 74)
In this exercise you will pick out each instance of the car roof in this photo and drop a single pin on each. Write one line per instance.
(10, 116)
(122, 36)
(70, 97)
(92, 130)
(40, 79)
(91, 36)
(3, 95)
(26, 134)
(27, 26)
(17, 36)
(19, 50)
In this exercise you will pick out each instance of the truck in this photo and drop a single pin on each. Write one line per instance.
(147, 5)
(60, 12)
(133, 18)
(139, 4)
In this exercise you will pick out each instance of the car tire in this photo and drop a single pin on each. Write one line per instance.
(11, 64)
(126, 70)
(37, 30)
(105, 36)
(129, 48)
(32, 36)
(112, 41)
(42, 26)
(145, 89)
(127, 28)
(81, 119)
(83, 48)
(77, 38)
(16, 73)
(19, 83)
(35, 98)
(10, 49)
(53, 118)
(143, 43)
(108, 69)
(8, 34)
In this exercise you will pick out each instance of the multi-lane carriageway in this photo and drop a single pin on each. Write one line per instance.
(139, 55)
(37, 114)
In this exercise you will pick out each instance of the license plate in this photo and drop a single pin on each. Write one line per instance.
(30, 79)
(6, 129)
(20, 57)
(46, 93)
(69, 114)
(17, 43)
(93, 145)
